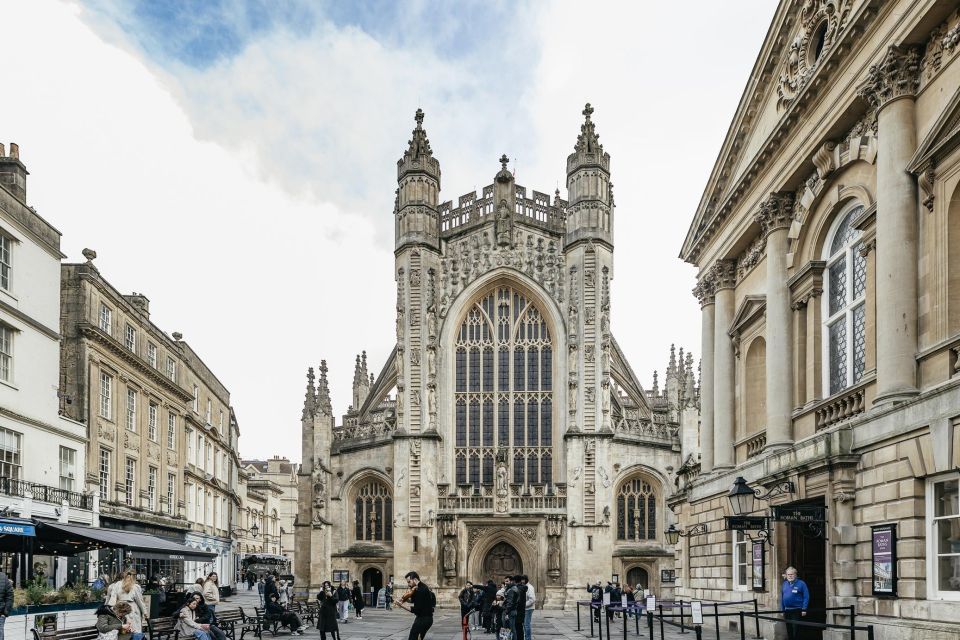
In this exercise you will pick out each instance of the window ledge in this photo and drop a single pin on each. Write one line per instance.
(10, 385)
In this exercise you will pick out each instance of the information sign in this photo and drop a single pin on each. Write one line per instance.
(696, 610)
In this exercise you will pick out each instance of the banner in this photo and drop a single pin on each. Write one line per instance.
(884, 551)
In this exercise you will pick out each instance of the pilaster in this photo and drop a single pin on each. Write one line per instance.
(704, 291)
(724, 373)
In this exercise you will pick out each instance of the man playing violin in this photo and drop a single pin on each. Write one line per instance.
(422, 602)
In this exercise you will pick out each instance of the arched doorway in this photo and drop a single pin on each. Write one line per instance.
(372, 580)
(638, 576)
(501, 561)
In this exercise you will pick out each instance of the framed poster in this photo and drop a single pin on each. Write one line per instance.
(668, 575)
(883, 548)
(616, 578)
(340, 575)
(759, 567)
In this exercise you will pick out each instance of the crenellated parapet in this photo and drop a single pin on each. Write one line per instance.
(471, 212)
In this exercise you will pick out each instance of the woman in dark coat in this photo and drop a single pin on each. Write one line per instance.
(327, 618)
(357, 599)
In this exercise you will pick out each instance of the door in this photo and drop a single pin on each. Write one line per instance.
(807, 553)
(372, 580)
(502, 561)
(638, 579)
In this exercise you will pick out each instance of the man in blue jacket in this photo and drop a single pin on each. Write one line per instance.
(795, 598)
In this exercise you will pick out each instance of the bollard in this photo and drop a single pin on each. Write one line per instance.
(661, 622)
(853, 622)
(699, 631)
(743, 628)
(650, 623)
(578, 616)
(591, 620)
(682, 629)
(756, 614)
(625, 616)
(716, 617)
(606, 617)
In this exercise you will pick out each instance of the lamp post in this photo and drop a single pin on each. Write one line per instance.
(742, 495)
(674, 534)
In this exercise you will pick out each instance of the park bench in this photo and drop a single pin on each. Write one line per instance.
(162, 628)
(229, 619)
(76, 633)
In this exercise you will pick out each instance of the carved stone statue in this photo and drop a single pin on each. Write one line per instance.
(504, 224)
(502, 488)
(572, 360)
(606, 514)
(432, 363)
(431, 323)
(400, 327)
(449, 557)
(432, 401)
(553, 557)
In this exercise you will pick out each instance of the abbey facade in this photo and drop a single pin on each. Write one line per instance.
(506, 432)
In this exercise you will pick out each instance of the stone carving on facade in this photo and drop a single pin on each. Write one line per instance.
(576, 476)
(553, 558)
(724, 274)
(606, 514)
(941, 46)
(106, 432)
(819, 25)
(925, 180)
(432, 406)
(400, 328)
(588, 353)
(448, 526)
(415, 357)
(153, 451)
(415, 449)
(131, 443)
(555, 526)
(776, 212)
(572, 361)
(401, 477)
(604, 478)
(432, 363)
(414, 278)
(415, 398)
(589, 394)
(751, 257)
(449, 558)
(895, 76)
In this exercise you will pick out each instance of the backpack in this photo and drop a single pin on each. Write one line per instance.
(433, 600)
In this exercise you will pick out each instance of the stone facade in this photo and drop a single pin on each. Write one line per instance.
(280, 473)
(830, 292)
(507, 421)
(259, 512)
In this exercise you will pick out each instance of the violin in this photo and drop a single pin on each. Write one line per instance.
(406, 597)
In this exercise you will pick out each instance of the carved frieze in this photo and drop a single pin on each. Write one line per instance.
(819, 25)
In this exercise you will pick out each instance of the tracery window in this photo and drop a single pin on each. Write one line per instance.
(373, 510)
(504, 391)
(637, 511)
(844, 310)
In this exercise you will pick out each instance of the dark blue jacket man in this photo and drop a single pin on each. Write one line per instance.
(795, 598)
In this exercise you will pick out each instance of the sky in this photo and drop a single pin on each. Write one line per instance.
(235, 162)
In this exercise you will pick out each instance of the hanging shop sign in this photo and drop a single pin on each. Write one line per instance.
(800, 513)
(759, 568)
(884, 555)
(745, 523)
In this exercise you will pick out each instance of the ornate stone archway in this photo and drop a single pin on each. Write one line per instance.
(490, 542)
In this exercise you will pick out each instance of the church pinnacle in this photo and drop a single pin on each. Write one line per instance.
(588, 141)
(419, 143)
(310, 399)
(323, 391)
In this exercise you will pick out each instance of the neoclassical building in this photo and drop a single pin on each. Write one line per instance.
(506, 432)
(829, 257)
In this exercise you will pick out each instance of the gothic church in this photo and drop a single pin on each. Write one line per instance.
(506, 432)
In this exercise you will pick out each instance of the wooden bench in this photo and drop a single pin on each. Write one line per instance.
(162, 628)
(76, 633)
(306, 612)
(229, 620)
(273, 626)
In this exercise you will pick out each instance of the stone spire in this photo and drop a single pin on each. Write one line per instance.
(689, 391)
(672, 367)
(361, 381)
(418, 179)
(590, 206)
(323, 391)
(588, 141)
(310, 399)
(419, 144)
(656, 384)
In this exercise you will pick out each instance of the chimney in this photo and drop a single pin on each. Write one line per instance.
(140, 302)
(13, 175)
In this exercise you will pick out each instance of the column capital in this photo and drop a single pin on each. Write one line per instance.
(705, 290)
(724, 274)
(896, 76)
(776, 212)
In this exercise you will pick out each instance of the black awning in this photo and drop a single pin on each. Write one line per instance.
(142, 545)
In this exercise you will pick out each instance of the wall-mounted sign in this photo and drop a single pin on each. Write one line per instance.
(800, 513)
(696, 610)
(616, 578)
(759, 575)
(884, 551)
(745, 523)
(668, 575)
(341, 575)
(606, 598)
(17, 528)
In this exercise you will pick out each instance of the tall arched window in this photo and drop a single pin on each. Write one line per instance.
(756, 386)
(373, 510)
(636, 510)
(504, 390)
(844, 311)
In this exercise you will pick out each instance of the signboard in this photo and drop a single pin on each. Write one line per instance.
(616, 578)
(759, 576)
(696, 610)
(800, 513)
(745, 523)
(606, 598)
(17, 529)
(668, 575)
(340, 575)
(883, 547)
(623, 601)
(651, 603)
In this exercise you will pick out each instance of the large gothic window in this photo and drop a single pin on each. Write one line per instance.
(636, 511)
(843, 304)
(504, 391)
(373, 510)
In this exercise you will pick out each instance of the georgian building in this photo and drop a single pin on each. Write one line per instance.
(829, 281)
(257, 524)
(506, 432)
(280, 476)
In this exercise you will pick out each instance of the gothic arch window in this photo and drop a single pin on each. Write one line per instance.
(637, 510)
(373, 512)
(844, 311)
(504, 390)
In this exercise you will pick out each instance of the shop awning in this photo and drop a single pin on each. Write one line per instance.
(142, 545)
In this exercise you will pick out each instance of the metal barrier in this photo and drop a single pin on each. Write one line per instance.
(852, 627)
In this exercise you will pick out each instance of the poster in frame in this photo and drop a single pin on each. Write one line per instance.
(758, 561)
(340, 575)
(883, 552)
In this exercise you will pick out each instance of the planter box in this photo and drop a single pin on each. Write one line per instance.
(23, 619)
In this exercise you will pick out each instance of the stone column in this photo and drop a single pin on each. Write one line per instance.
(704, 293)
(890, 88)
(724, 370)
(775, 216)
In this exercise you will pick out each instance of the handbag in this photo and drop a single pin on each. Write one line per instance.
(505, 634)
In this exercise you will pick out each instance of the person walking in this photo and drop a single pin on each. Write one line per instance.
(327, 616)
(6, 600)
(423, 602)
(211, 593)
(343, 602)
(357, 597)
(511, 597)
(596, 600)
(260, 587)
(387, 595)
(465, 598)
(126, 589)
(795, 598)
(521, 588)
(531, 603)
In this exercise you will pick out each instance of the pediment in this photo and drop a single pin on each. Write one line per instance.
(750, 310)
(943, 138)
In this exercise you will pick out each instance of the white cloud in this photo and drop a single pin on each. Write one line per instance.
(252, 200)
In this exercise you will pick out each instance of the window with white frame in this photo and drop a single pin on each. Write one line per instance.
(6, 352)
(104, 471)
(188, 495)
(171, 491)
(943, 536)
(196, 399)
(6, 261)
(188, 436)
(209, 410)
(106, 319)
(208, 505)
(221, 421)
(106, 395)
(152, 488)
(171, 368)
(171, 430)
(152, 421)
(10, 442)
(200, 505)
(152, 354)
(208, 460)
(130, 480)
(131, 410)
(130, 338)
(198, 463)
(844, 311)
(68, 468)
(741, 561)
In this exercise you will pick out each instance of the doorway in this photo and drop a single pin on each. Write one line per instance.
(807, 552)
(502, 560)
(372, 580)
(638, 576)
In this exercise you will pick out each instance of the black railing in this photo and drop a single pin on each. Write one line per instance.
(43, 493)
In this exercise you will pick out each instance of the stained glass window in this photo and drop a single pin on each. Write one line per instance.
(844, 309)
(373, 512)
(503, 399)
(636, 511)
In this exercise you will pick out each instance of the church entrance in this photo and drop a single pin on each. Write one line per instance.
(638, 576)
(501, 561)
(372, 580)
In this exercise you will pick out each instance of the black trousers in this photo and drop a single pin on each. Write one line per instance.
(518, 633)
(421, 625)
(793, 631)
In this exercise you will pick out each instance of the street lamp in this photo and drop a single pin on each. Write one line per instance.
(742, 495)
(254, 530)
(674, 534)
